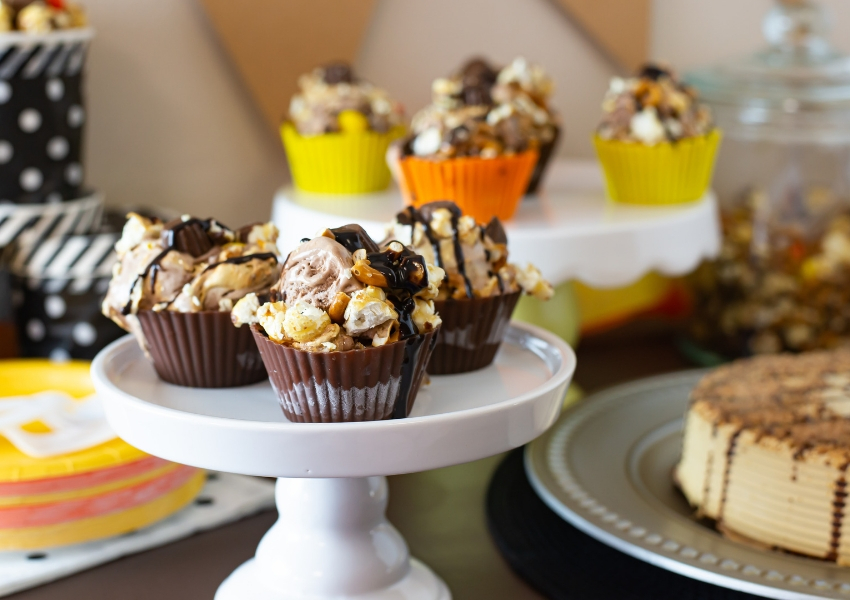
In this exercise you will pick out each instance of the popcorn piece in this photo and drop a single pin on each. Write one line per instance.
(424, 315)
(531, 280)
(646, 127)
(436, 275)
(428, 142)
(36, 18)
(270, 317)
(136, 230)
(368, 309)
(304, 322)
(245, 311)
(7, 17)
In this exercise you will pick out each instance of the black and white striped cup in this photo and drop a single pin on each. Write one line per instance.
(58, 284)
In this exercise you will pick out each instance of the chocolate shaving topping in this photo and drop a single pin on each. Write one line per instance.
(338, 72)
(427, 210)
(653, 72)
(496, 232)
(354, 237)
(188, 236)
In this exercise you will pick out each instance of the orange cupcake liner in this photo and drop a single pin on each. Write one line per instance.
(481, 187)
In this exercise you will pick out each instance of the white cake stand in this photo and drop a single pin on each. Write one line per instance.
(569, 230)
(332, 539)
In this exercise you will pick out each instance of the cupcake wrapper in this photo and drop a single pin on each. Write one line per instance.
(339, 163)
(471, 333)
(42, 115)
(546, 152)
(203, 350)
(338, 387)
(482, 187)
(662, 174)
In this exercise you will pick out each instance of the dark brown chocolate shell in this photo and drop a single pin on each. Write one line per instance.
(201, 349)
(471, 333)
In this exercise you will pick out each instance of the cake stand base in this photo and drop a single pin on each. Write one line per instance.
(332, 540)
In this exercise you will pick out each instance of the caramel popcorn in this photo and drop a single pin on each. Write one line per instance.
(340, 291)
(472, 257)
(483, 112)
(778, 287)
(653, 107)
(40, 17)
(331, 100)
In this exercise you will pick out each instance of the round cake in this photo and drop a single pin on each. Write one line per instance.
(766, 452)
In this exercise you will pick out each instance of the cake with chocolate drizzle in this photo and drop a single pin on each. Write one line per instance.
(766, 452)
(347, 330)
(481, 288)
(173, 287)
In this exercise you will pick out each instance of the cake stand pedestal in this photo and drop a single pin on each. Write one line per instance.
(332, 539)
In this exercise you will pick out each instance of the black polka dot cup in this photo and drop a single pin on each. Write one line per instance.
(42, 115)
(58, 284)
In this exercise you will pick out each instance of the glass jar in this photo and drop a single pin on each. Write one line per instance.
(782, 280)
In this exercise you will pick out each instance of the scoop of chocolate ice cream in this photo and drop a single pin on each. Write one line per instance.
(316, 271)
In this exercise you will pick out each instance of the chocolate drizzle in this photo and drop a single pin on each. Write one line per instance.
(410, 216)
(406, 275)
(241, 260)
(839, 503)
(405, 272)
(730, 454)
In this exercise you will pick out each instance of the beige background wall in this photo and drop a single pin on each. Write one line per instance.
(170, 123)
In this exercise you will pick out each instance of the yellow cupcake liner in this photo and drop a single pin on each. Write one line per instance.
(351, 162)
(668, 173)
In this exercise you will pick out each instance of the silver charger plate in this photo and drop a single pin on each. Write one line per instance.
(606, 467)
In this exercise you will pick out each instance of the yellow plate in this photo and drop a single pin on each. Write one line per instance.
(30, 376)
(85, 530)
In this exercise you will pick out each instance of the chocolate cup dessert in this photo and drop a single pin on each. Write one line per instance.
(545, 154)
(203, 349)
(368, 384)
(471, 333)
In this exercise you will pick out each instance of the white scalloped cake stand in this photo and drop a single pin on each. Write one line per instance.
(569, 231)
(332, 539)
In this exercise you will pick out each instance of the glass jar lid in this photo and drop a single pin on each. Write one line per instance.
(798, 74)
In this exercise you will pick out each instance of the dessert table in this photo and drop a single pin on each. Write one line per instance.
(441, 513)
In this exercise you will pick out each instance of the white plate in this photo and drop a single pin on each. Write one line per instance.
(456, 419)
(606, 468)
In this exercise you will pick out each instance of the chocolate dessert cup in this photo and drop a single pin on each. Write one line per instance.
(368, 384)
(545, 151)
(202, 349)
(471, 333)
